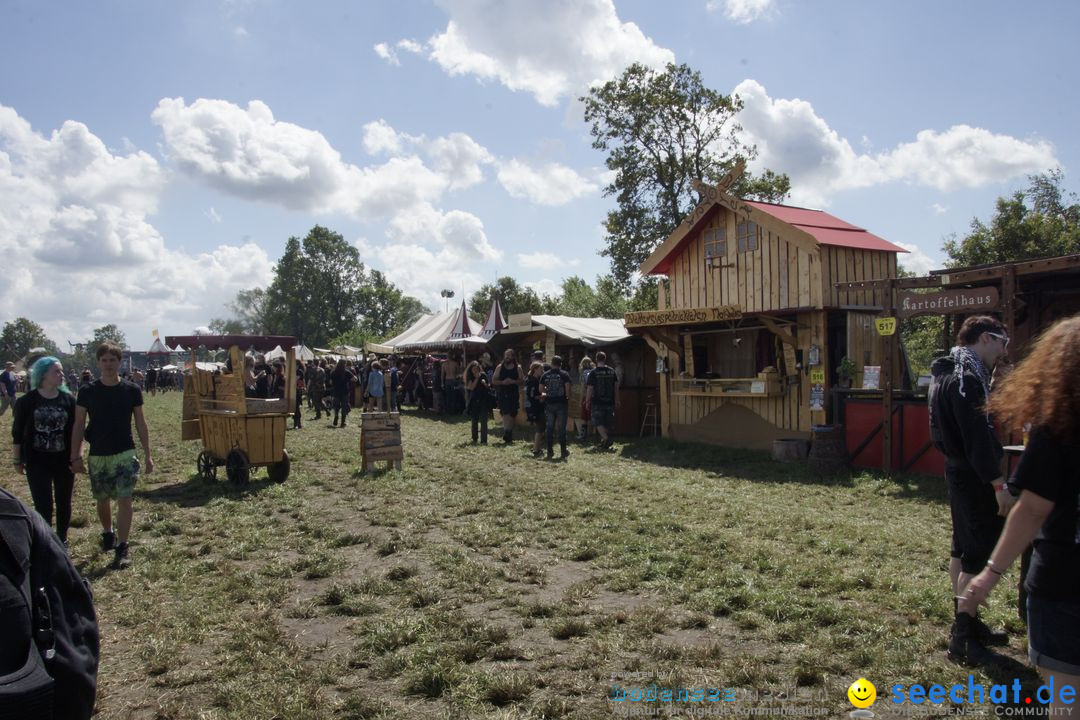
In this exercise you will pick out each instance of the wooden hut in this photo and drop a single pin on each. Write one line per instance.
(751, 328)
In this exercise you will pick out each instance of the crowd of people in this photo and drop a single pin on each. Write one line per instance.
(997, 519)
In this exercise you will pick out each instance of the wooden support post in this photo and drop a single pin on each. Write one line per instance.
(887, 384)
(688, 354)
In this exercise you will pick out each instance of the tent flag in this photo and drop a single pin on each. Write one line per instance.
(495, 320)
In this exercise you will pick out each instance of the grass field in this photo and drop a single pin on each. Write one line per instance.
(479, 582)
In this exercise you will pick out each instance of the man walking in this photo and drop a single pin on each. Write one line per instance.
(318, 387)
(602, 398)
(7, 387)
(978, 497)
(111, 403)
(555, 391)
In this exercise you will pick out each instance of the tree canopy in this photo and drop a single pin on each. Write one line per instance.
(662, 130)
(1040, 221)
(22, 334)
(513, 298)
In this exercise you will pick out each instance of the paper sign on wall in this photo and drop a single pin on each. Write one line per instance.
(871, 379)
(817, 397)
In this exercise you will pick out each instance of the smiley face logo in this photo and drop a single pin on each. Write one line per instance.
(862, 693)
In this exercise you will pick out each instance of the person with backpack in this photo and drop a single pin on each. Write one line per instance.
(555, 392)
(111, 404)
(50, 644)
(40, 437)
(979, 499)
(602, 398)
(534, 406)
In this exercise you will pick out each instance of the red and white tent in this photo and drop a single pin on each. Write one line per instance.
(495, 322)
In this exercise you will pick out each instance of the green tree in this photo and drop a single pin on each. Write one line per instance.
(513, 298)
(102, 334)
(661, 131)
(22, 334)
(251, 312)
(386, 310)
(1041, 221)
(230, 326)
(318, 288)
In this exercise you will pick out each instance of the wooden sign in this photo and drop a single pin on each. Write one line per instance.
(947, 302)
(682, 316)
(885, 326)
(380, 439)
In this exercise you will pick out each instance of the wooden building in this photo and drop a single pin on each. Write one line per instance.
(751, 328)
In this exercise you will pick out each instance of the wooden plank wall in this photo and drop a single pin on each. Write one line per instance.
(839, 264)
(775, 276)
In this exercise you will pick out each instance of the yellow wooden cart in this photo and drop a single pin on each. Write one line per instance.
(236, 431)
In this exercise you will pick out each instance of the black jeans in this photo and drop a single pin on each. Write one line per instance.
(556, 423)
(341, 404)
(296, 419)
(46, 473)
(480, 421)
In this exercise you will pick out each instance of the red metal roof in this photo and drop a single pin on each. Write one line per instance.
(825, 228)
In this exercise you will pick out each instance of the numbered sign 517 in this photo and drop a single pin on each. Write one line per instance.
(886, 326)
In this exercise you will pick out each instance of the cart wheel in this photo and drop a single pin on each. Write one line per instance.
(237, 468)
(206, 465)
(279, 471)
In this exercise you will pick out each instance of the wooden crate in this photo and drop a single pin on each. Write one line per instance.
(261, 437)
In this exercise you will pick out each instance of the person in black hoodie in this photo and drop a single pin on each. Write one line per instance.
(979, 499)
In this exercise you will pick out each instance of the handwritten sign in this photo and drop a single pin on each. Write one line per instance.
(817, 376)
(886, 326)
(947, 302)
(682, 316)
(871, 377)
(817, 397)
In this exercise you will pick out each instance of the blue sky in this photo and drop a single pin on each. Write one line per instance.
(154, 157)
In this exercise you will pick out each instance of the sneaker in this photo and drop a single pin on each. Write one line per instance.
(987, 636)
(108, 541)
(123, 557)
(964, 645)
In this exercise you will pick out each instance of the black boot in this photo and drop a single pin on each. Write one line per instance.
(965, 647)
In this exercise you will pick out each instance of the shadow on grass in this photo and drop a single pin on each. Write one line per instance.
(758, 466)
(197, 492)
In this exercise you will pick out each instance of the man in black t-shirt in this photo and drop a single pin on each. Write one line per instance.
(555, 391)
(602, 398)
(113, 466)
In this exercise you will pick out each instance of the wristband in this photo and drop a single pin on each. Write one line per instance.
(991, 568)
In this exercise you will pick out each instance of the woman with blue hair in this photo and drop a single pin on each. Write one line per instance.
(41, 440)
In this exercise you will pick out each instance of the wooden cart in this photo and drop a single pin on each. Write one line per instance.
(236, 431)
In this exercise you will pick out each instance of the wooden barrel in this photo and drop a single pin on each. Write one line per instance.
(828, 453)
(789, 449)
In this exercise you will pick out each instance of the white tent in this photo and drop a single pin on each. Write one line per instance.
(299, 351)
(588, 331)
(158, 348)
(440, 331)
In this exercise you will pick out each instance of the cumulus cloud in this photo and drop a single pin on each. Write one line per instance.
(543, 260)
(545, 286)
(939, 209)
(383, 50)
(81, 251)
(743, 11)
(916, 260)
(250, 154)
(791, 137)
(550, 49)
(550, 184)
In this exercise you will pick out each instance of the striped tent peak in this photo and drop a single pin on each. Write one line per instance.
(496, 321)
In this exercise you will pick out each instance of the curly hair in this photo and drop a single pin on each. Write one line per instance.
(1042, 388)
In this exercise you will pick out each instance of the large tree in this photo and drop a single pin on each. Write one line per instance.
(662, 130)
(1040, 221)
(317, 291)
(513, 298)
(387, 310)
(22, 334)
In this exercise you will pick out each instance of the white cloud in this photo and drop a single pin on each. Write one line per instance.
(545, 286)
(792, 138)
(214, 215)
(916, 260)
(544, 260)
(427, 248)
(409, 46)
(549, 49)
(247, 153)
(80, 249)
(743, 11)
(460, 159)
(383, 50)
(379, 138)
(939, 209)
(551, 184)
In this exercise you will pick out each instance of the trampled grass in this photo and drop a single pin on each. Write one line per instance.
(479, 582)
